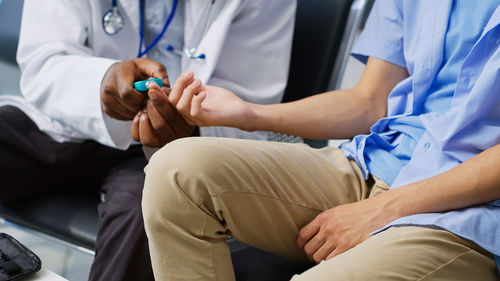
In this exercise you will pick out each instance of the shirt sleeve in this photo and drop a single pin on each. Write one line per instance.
(61, 74)
(383, 34)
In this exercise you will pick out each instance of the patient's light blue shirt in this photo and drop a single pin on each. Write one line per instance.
(446, 111)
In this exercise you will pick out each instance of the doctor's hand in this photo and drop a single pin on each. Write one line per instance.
(159, 123)
(119, 99)
(208, 105)
(339, 229)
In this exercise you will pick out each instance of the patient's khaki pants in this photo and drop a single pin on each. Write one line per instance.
(200, 190)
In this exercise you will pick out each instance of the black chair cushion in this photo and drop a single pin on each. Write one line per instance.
(319, 27)
(10, 21)
(72, 218)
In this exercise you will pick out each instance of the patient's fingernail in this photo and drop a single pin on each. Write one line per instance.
(188, 74)
(197, 83)
(150, 83)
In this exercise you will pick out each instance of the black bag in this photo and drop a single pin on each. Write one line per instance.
(16, 261)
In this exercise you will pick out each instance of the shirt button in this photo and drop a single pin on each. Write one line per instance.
(466, 81)
(472, 80)
(155, 19)
(427, 145)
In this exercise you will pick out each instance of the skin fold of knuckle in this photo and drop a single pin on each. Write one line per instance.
(181, 109)
(128, 96)
(105, 109)
(317, 258)
(106, 97)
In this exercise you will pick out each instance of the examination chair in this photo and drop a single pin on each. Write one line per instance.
(324, 33)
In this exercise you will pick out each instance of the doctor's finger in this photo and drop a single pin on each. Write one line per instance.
(181, 126)
(128, 96)
(152, 68)
(160, 126)
(116, 110)
(146, 132)
(182, 82)
(134, 129)
(163, 106)
(124, 76)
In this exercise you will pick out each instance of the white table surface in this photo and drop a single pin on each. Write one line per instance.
(45, 275)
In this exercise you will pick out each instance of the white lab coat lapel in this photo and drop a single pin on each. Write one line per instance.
(212, 41)
(131, 8)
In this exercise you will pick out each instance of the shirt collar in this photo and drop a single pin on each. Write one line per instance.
(494, 21)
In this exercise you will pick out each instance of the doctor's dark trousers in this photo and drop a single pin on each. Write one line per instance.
(32, 164)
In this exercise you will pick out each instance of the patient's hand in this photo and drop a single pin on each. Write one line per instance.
(208, 105)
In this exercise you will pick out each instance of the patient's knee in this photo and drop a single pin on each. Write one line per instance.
(186, 155)
(176, 174)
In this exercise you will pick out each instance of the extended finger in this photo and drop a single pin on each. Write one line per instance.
(196, 105)
(182, 82)
(184, 103)
(152, 85)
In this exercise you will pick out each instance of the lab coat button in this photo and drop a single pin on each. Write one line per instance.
(465, 81)
(427, 145)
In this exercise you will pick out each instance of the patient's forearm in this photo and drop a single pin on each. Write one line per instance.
(473, 182)
(339, 114)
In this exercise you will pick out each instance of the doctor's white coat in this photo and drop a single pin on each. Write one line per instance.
(64, 53)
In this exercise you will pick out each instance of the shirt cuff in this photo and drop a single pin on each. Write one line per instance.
(390, 51)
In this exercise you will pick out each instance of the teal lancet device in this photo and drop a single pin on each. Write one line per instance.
(141, 85)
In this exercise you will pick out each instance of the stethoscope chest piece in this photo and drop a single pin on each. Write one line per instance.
(112, 21)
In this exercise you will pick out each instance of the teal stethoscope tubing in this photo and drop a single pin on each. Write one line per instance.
(141, 53)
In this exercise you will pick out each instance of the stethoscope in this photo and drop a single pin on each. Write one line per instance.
(113, 22)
